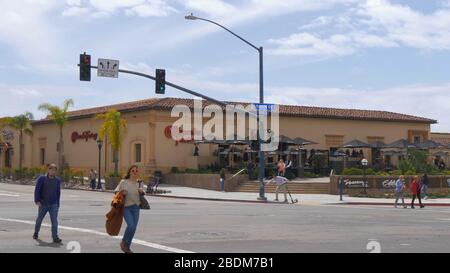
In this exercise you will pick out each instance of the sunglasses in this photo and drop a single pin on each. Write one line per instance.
(134, 171)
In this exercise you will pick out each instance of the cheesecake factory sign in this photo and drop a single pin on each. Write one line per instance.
(86, 135)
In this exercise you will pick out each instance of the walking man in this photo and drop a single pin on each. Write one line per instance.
(425, 186)
(47, 196)
(281, 184)
(250, 169)
(399, 188)
(92, 178)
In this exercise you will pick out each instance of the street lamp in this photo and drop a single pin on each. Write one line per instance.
(364, 163)
(261, 96)
(99, 144)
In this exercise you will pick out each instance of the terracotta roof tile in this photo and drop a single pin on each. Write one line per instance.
(285, 110)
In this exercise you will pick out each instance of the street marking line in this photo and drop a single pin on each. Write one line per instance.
(136, 241)
(10, 195)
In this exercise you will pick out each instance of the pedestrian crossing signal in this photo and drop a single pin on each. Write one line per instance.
(85, 67)
(160, 82)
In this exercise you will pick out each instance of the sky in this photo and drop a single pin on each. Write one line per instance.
(391, 55)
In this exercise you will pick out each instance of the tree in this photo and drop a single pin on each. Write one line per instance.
(21, 123)
(60, 117)
(114, 127)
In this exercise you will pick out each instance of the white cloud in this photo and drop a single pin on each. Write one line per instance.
(373, 23)
(75, 11)
(25, 28)
(156, 8)
(429, 101)
(210, 7)
(106, 8)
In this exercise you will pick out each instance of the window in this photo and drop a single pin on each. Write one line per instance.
(334, 140)
(137, 153)
(416, 139)
(42, 156)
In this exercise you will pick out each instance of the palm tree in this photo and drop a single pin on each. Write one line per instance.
(60, 117)
(3, 123)
(114, 127)
(21, 123)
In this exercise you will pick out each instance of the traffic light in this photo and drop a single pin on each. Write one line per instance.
(85, 67)
(160, 82)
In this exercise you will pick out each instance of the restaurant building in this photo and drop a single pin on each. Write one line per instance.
(148, 143)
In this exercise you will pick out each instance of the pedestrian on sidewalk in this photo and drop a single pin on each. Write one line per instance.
(281, 167)
(415, 191)
(399, 189)
(288, 168)
(47, 195)
(424, 189)
(93, 178)
(281, 185)
(222, 179)
(250, 169)
(129, 188)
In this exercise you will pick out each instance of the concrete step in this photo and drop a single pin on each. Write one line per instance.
(303, 188)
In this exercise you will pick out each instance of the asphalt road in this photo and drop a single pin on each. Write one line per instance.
(178, 225)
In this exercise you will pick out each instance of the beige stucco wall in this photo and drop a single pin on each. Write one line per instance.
(147, 128)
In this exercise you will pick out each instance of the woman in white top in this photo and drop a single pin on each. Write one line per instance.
(129, 187)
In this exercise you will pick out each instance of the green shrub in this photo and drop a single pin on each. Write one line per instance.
(6, 171)
(446, 172)
(381, 173)
(396, 172)
(410, 172)
(352, 171)
(310, 175)
(112, 174)
(370, 171)
(174, 170)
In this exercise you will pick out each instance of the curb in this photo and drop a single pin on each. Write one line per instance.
(217, 199)
(389, 204)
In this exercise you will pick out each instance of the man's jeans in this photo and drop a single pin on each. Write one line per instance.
(53, 211)
(424, 190)
(222, 184)
(398, 196)
(131, 216)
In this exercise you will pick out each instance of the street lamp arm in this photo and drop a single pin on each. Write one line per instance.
(247, 42)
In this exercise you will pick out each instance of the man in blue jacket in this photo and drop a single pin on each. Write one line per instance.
(46, 196)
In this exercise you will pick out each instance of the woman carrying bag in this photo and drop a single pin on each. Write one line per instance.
(129, 188)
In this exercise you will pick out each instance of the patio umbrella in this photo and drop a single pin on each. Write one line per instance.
(441, 154)
(429, 144)
(338, 154)
(286, 140)
(356, 144)
(401, 144)
(302, 141)
(377, 144)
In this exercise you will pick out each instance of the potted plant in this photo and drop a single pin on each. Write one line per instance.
(112, 180)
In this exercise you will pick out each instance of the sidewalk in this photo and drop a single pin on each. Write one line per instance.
(304, 199)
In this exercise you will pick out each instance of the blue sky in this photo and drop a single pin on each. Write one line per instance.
(391, 55)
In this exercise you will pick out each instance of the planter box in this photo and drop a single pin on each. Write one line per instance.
(384, 184)
(112, 182)
(204, 181)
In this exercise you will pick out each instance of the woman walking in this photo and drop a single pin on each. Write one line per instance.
(129, 187)
(415, 191)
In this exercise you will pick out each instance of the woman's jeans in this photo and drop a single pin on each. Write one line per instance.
(53, 211)
(131, 216)
(222, 184)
